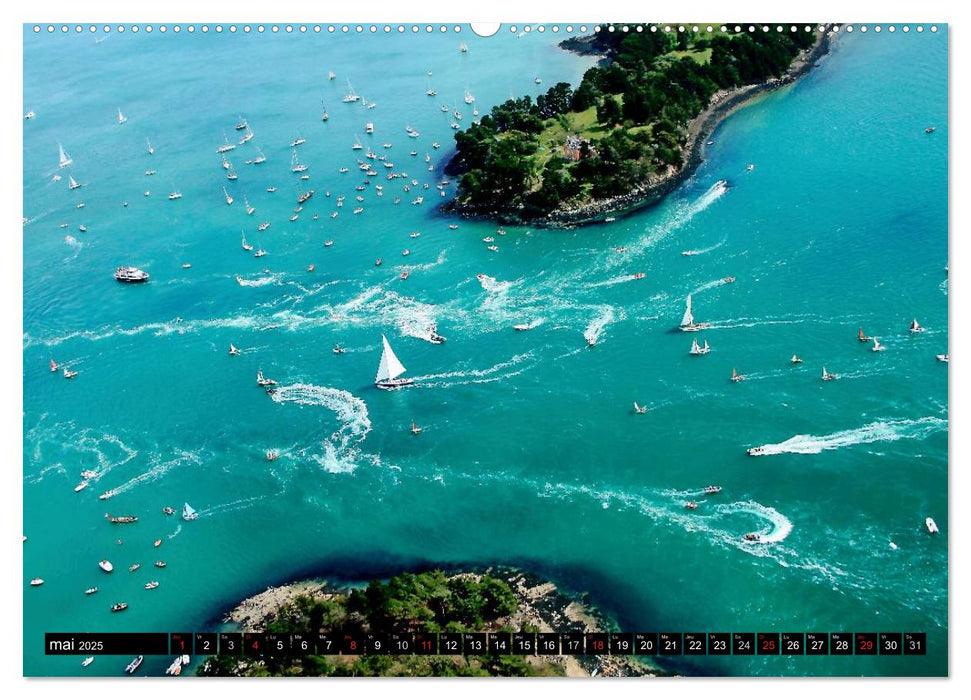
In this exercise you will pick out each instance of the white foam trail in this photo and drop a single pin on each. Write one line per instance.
(476, 376)
(175, 534)
(709, 285)
(779, 526)
(239, 504)
(596, 327)
(258, 282)
(880, 431)
(340, 454)
(702, 251)
(680, 217)
(159, 469)
(612, 281)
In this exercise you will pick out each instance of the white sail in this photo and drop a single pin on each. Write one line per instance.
(188, 513)
(73, 183)
(694, 347)
(707, 347)
(390, 367)
(65, 159)
(121, 117)
(687, 319)
(825, 373)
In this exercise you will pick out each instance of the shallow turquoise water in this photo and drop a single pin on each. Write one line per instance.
(530, 453)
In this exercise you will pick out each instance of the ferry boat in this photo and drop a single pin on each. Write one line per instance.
(131, 275)
(121, 519)
(390, 370)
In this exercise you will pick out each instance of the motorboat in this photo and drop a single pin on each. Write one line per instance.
(70, 374)
(160, 565)
(150, 585)
(91, 591)
(36, 582)
(712, 489)
(272, 455)
(81, 486)
(87, 662)
(134, 567)
(135, 663)
(752, 537)
(931, 526)
(168, 510)
(118, 607)
(755, 451)
(691, 505)
(943, 358)
(106, 566)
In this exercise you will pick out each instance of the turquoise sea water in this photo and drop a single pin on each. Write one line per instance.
(530, 454)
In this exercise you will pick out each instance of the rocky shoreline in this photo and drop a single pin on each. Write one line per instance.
(540, 606)
(723, 104)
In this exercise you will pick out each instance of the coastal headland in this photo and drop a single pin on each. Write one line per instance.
(635, 128)
(489, 600)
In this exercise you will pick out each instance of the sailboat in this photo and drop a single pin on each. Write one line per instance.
(877, 347)
(295, 165)
(639, 409)
(246, 246)
(323, 114)
(357, 144)
(915, 327)
(261, 158)
(698, 349)
(121, 117)
(263, 381)
(389, 369)
(65, 159)
(331, 75)
(415, 430)
(249, 207)
(151, 149)
(188, 513)
(469, 97)
(688, 320)
(229, 200)
(73, 184)
(248, 136)
(351, 96)
(862, 337)
(827, 376)
(736, 377)
(54, 366)
(234, 351)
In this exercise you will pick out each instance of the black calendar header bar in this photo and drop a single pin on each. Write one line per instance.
(257, 644)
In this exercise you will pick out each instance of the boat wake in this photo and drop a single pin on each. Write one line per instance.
(880, 431)
(620, 279)
(476, 376)
(596, 327)
(159, 469)
(778, 526)
(680, 217)
(258, 282)
(702, 251)
(340, 449)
